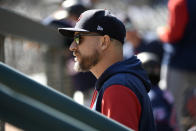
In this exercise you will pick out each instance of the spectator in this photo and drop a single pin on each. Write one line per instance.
(162, 100)
(136, 44)
(67, 15)
(180, 32)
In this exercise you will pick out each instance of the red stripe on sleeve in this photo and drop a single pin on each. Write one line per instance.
(93, 99)
(178, 19)
(121, 104)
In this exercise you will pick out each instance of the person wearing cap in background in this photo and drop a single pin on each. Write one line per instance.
(66, 15)
(122, 85)
(162, 100)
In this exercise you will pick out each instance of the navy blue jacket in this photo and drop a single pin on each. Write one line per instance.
(128, 73)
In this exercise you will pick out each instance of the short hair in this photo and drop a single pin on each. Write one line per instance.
(116, 42)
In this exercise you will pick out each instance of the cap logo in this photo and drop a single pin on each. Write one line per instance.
(99, 28)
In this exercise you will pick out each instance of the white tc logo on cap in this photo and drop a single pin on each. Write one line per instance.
(99, 28)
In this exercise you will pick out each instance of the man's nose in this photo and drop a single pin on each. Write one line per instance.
(73, 46)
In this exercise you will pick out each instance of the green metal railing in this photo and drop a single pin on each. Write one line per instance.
(19, 26)
(30, 105)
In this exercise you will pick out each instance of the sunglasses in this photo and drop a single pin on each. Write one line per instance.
(77, 38)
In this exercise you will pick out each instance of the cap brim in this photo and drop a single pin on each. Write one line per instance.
(69, 32)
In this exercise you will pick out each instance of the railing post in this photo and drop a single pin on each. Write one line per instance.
(2, 48)
(56, 71)
(2, 58)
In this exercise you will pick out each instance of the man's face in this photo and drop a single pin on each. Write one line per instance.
(85, 52)
(84, 62)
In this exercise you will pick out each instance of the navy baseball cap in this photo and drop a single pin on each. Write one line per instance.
(98, 21)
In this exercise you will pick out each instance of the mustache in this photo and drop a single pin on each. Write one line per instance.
(75, 53)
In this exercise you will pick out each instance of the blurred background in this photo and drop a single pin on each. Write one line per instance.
(52, 65)
(48, 65)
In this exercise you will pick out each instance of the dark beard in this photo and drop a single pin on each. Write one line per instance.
(87, 62)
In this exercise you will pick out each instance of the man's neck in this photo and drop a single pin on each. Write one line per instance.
(103, 64)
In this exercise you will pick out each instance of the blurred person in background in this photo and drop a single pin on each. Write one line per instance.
(180, 33)
(135, 43)
(67, 14)
(122, 85)
(162, 100)
(67, 17)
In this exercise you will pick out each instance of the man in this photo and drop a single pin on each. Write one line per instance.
(180, 33)
(162, 100)
(122, 86)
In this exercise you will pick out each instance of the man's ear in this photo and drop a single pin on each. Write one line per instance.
(105, 42)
